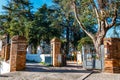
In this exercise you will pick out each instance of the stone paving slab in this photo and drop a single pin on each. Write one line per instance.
(40, 72)
(103, 76)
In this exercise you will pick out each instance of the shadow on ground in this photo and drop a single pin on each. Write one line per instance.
(67, 69)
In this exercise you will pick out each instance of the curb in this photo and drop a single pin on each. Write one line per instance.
(85, 76)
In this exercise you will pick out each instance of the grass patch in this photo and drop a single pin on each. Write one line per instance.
(46, 64)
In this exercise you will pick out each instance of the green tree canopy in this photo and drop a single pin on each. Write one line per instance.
(17, 15)
(88, 13)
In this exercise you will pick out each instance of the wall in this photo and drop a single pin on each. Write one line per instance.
(47, 58)
(33, 57)
(5, 67)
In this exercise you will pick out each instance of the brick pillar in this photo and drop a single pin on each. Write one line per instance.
(55, 51)
(7, 52)
(18, 53)
(112, 55)
(2, 53)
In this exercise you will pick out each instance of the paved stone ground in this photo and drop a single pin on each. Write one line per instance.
(103, 76)
(40, 72)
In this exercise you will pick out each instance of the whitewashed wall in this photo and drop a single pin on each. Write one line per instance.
(33, 57)
(79, 58)
(0, 45)
(5, 67)
(47, 58)
(39, 57)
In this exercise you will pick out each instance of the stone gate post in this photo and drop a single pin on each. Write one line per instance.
(18, 53)
(7, 52)
(55, 51)
(112, 55)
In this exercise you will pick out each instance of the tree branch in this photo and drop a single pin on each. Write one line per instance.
(97, 15)
(79, 22)
(113, 20)
(106, 23)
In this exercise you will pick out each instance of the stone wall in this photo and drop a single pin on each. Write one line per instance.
(112, 55)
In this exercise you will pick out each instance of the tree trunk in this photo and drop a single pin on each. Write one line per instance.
(103, 25)
(8, 38)
(97, 43)
(67, 38)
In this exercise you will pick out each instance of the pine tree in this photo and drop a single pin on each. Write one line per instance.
(18, 14)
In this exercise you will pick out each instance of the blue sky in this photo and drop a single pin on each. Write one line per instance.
(2, 2)
(36, 4)
(39, 3)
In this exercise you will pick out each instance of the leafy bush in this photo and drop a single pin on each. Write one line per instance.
(84, 41)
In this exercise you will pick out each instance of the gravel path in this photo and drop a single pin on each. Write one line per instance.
(40, 72)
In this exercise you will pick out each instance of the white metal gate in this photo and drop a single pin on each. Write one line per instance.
(90, 58)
